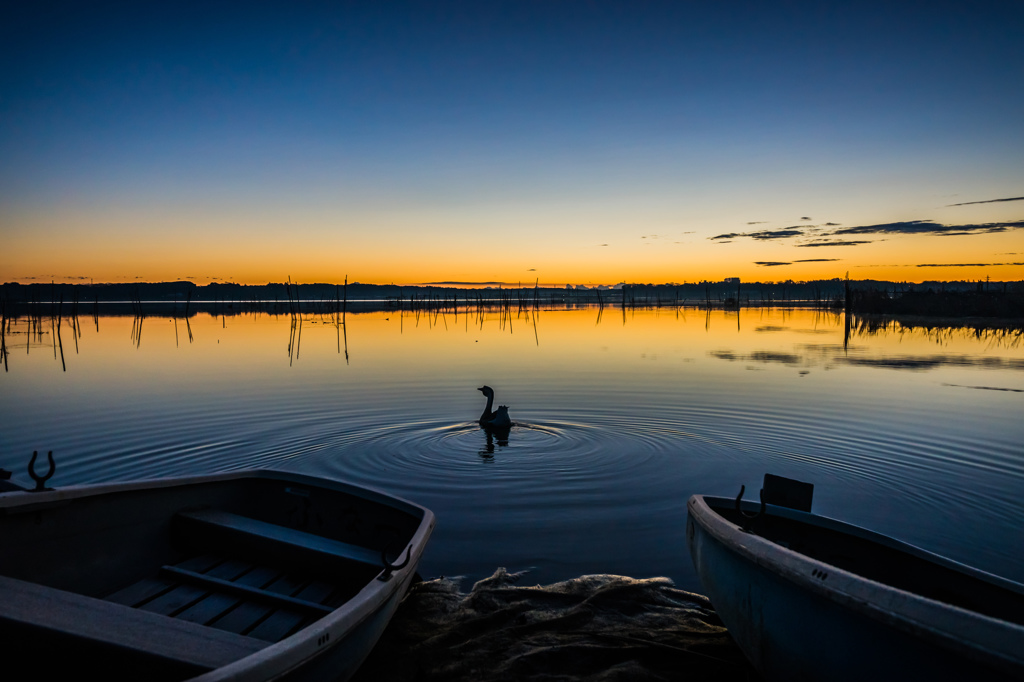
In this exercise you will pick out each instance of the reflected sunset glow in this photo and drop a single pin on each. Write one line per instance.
(617, 419)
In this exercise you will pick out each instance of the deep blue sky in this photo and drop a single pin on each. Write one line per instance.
(445, 118)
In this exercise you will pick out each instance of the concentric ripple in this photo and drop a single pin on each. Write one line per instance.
(428, 454)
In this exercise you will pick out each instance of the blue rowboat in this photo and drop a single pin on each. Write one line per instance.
(251, 576)
(811, 598)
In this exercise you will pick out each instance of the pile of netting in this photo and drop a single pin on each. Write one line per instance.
(600, 628)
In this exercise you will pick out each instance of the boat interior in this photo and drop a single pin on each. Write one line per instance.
(167, 583)
(878, 562)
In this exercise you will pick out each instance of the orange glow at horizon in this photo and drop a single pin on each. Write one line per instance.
(90, 246)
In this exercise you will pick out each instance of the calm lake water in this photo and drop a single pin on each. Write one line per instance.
(619, 418)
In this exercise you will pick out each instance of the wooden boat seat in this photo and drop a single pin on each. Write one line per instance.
(214, 528)
(105, 623)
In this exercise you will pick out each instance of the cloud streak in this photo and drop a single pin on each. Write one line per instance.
(931, 227)
(987, 201)
(835, 243)
(765, 235)
(830, 234)
(963, 265)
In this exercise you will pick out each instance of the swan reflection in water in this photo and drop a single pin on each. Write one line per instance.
(495, 423)
(493, 439)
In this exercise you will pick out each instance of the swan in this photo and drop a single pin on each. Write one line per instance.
(497, 419)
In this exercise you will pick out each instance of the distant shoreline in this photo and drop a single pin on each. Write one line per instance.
(1004, 300)
(283, 291)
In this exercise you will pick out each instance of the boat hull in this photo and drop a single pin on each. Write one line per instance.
(322, 598)
(797, 618)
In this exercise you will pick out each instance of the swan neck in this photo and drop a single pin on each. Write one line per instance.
(487, 410)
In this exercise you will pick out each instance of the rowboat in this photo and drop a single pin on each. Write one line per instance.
(811, 598)
(251, 576)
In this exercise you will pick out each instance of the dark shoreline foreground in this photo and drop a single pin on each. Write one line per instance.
(596, 628)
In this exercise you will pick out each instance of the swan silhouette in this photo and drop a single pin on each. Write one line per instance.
(496, 419)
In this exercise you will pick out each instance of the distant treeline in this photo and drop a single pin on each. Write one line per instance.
(957, 298)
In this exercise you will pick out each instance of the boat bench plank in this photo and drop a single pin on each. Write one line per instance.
(145, 590)
(106, 622)
(220, 585)
(282, 623)
(269, 534)
(140, 592)
(177, 600)
(246, 615)
(216, 604)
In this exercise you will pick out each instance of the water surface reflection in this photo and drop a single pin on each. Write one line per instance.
(618, 419)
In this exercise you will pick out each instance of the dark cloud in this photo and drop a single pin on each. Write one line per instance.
(758, 222)
(770, 264)
(987, 201)
(532, 270)
(962, 265)
(815, 235)
(816, 260)
(806, 218)
(784, 233)
(837, 243)
(931, 227)
(766, 235)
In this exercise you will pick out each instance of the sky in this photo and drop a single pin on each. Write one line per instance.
(488, 141)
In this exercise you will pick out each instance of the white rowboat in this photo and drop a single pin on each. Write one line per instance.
(811, 598)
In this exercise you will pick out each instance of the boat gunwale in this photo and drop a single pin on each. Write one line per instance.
(17, 499)
(319, 637)
(909, 612)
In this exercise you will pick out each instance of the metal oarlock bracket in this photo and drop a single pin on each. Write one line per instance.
(748, 518)
(390, 567)
(41, 480)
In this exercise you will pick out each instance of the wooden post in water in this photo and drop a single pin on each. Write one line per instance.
(3, 330)
(61, 315)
